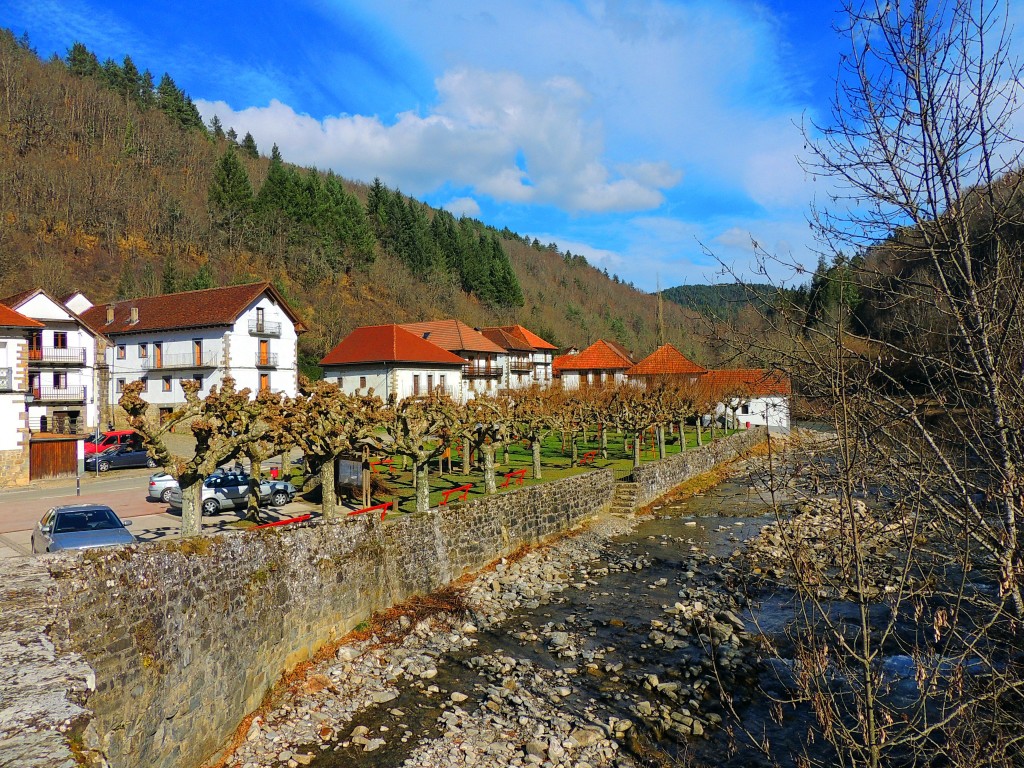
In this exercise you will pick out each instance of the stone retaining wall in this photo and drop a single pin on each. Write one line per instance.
(186, 637)
(166, 647)
(659, 477)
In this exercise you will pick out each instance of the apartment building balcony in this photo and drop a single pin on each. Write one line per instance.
(520, 365)
(58, 394)
(481, 372)
(266, 360)
(265, 328)
(187, 361)
(63, 356)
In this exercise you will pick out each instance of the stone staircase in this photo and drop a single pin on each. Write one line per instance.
(624, 500)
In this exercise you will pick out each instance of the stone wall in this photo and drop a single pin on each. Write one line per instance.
(185, 638)
(658, 478)
(14, 467)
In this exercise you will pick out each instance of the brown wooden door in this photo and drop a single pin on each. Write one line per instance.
(264, 351)
(52, 458)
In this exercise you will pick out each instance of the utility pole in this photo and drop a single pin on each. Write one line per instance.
(661, 313)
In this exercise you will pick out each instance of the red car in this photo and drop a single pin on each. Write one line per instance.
(110, 439)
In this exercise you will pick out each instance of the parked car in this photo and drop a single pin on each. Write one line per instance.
(230, 490)
(119, 457)
(160, 486)
(106, 440)
(79, 526)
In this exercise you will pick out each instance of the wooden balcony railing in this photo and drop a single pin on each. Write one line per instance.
(57, 355)
(58, 394)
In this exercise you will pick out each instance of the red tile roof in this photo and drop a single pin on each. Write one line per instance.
(600, 356)
(754, 382)
(388, 344)
(665, 360)
(208, 308)
(453, 335)
(9, 318)
(18, 298)
(528, 336)
(506, 340)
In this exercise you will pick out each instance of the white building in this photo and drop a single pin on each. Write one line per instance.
(246, 331)
(393, 362)
(64, 367)
(15, 329)
(602, 364)
(484, 360)
(759, 397)
(528, 357)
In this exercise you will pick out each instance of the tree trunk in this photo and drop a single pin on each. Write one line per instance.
(661, 441)
(328, 492)
(604, 442)
(255, 475)
(191, 508)
(637, 439)
(465, 457)
(700, 432)
(421, 470)
(575, 453)
(682, 436)
(535, 449)
(490, 485)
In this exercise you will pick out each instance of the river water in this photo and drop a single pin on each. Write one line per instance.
(632, 587)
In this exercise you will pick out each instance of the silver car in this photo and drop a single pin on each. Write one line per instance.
(79, 526)
(230, 490)
(160, 486)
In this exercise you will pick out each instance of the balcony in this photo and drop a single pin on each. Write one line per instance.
(481, 372)
(266, 360)
(73, 356)
(57, 424)
(179, 362)
(58, 394)
(264, 328)
(520, 365)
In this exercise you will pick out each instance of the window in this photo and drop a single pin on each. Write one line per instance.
(264, 382)
(60, 340)
(165, 414)
(145, 383)
(119, 385)
(143, 350)
(415, 384)
(121, 351)
(198, 377)
(440, 380)
(166, 385)
(197, 352)
(264, 354)
(745, 410)
(430, 382)
(259, 320)
(60, 380)
(362, 382)
(158, 354)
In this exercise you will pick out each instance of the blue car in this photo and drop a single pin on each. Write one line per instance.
(119, 457)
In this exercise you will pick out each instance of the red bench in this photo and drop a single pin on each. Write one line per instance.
(588, 458)
(462, 491)
(387, 463)
(382, 507)
(289, 521)
(517, 474)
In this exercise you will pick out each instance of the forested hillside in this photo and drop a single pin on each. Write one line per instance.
(114, 186)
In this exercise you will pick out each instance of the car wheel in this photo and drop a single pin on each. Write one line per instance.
(165, 495)
(151, 462)
(211, 507)
(279, 499)
(104, 466)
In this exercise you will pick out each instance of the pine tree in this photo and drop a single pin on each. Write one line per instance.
(249, 146)
(82, 62)
(126, 285)
(169, 276)
(216, 128)
(230, 193)
(202, 279)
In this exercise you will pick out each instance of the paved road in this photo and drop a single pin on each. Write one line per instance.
(124, 491)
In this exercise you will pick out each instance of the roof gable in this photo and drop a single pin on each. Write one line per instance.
(528, 336)
(208, 308)
(388, 344)
(10, 318)
(665, 360)
(753, 382)
(506, 340)
(453, 335)
(600, 356)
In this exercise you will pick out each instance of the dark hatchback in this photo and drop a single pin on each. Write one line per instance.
(119, 457)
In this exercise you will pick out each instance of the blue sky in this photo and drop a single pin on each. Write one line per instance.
(655, 137)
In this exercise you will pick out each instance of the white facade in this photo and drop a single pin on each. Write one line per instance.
(13, 348)
(63, 381)
(770, 411)
(575, 379)
(260, 350)
(401, 379)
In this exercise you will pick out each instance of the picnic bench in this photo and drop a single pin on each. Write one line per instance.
(462, 491)
(382, 507)
(516, 474)
(587, 459)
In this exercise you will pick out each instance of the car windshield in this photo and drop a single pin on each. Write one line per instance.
(86, 520)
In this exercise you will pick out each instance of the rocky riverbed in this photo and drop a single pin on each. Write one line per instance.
(610, 647)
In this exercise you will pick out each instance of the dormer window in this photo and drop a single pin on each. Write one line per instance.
(134, 314)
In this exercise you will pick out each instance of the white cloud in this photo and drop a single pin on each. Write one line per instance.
(474, 137)
(463, 206)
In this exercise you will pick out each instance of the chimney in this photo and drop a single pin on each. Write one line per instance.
(110, 314)
(134, 315)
